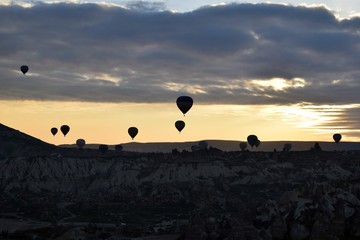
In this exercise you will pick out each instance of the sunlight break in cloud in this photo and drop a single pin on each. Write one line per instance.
(107, 77)
(190, 89)
(277, 84)
(318, 119)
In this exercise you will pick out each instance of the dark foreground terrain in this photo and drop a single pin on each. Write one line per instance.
(58, 193)
(203, 195)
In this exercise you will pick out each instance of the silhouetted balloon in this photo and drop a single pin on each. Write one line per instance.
(118, 147)
(54, 130)
(337, 137)
(184, 103)
(252, 139)
(80, 143)
(287, 147)
(257, 143)
(179, 125)
(103, 148)
(203, 144)
(133, 131)
(65, 129)
(24, 69)
(317, 147)
(243, 146)
(195, 148)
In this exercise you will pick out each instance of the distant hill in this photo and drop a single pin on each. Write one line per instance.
(22, 142)
(230, 146)
(28, 144)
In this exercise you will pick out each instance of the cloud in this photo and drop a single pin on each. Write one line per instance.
(144, 6)
(225, 54)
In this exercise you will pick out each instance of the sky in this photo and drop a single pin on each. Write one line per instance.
(282, 71)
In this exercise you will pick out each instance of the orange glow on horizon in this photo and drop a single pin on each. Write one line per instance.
(108, 122)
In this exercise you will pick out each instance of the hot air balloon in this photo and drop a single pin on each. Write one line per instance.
(118, 147)
(54, 130)
(80, 143)
(252, 139)
(257, 143)
(195, 148)
(337, 137)
(287, 147)
(133, 131)
(184, 103)
(65, 129)
(103, 148)
(24, 69)
(203, 145)
(179, 125)
(243, 146)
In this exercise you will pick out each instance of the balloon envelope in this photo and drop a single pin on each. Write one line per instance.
(243, 146)
(337, 137)
(195, 148)
(203, 144)
(103, 148)
(133, 131)
(179, 125)
(65, 129)
(257, 143)
(118, 147)
(252, 140)
(54, 130)
(287, 147)
(24, 69)
(184, 103)
(80, 143)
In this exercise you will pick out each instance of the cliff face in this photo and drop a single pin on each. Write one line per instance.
(79, 175)
(87, 175)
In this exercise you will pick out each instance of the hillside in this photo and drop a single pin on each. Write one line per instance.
(21, 143)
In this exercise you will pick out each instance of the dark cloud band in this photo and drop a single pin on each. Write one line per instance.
(90, 52)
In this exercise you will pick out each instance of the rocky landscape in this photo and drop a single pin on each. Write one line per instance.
(49, 192)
